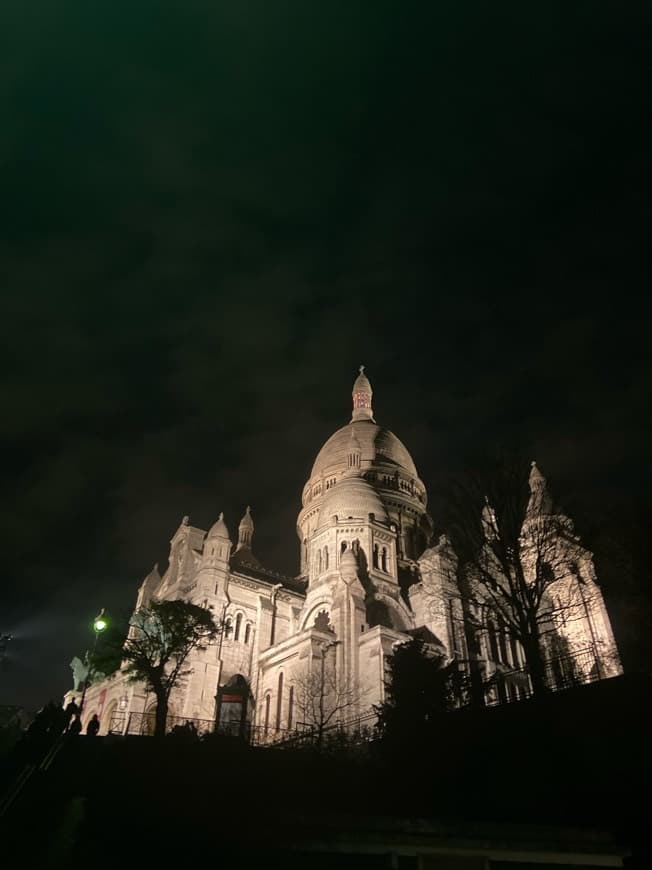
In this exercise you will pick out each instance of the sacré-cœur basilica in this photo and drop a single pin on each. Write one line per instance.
(371, 576)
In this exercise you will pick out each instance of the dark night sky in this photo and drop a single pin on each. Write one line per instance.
(211, 213)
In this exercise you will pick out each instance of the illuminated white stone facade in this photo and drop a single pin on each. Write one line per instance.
(371, 576)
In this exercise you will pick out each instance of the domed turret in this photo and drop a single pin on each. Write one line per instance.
(219, 530)
(217, 544)
(245, 531)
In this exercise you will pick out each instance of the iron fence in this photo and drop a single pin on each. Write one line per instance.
(144, 724)
(351, 732)
(508, 684)
(505, 685)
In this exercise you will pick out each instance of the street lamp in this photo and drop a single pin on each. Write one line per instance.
(100, 624)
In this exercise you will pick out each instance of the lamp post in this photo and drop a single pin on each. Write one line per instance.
(100, 624)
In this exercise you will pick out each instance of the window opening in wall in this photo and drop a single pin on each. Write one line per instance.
(238, 623)
(319, 562)
(247, 632)
(325, 558)
(268, 700)
(516, 659)
(279, 702)
(290, 707)
(375, 556)
(342, 546)
(503, 648)
(383, 560)
(493, 643)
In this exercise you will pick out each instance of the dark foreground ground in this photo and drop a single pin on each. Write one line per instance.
(563, 782)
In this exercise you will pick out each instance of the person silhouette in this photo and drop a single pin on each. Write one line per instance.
(93, 726)
(75, 726)
(71, 710)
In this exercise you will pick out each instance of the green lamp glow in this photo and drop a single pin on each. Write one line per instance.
(100, 623)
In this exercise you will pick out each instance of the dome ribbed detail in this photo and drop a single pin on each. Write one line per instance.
(352, 497)
(377, 445)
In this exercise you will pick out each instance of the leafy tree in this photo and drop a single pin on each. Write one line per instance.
(161, 638)
(421, 687)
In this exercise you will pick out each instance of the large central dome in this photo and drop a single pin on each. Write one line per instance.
(387, 486)
(377, 446)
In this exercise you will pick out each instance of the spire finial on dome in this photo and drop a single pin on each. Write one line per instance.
(362, 394)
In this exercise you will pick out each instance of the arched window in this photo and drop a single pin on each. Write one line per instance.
(342, 546)
(325, 558)
(319, 562)
(516, 659)
(493, 642)
(247, 632)
(383, 557)
(290, 707)
(279, 702)
(268, 701)
(238, 623)
(228, 626)
(503, 648)
(375, 556)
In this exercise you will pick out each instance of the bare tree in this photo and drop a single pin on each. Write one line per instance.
(517, 557)
(323, 697)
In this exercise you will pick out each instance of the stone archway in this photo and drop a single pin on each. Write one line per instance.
(107, 716)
